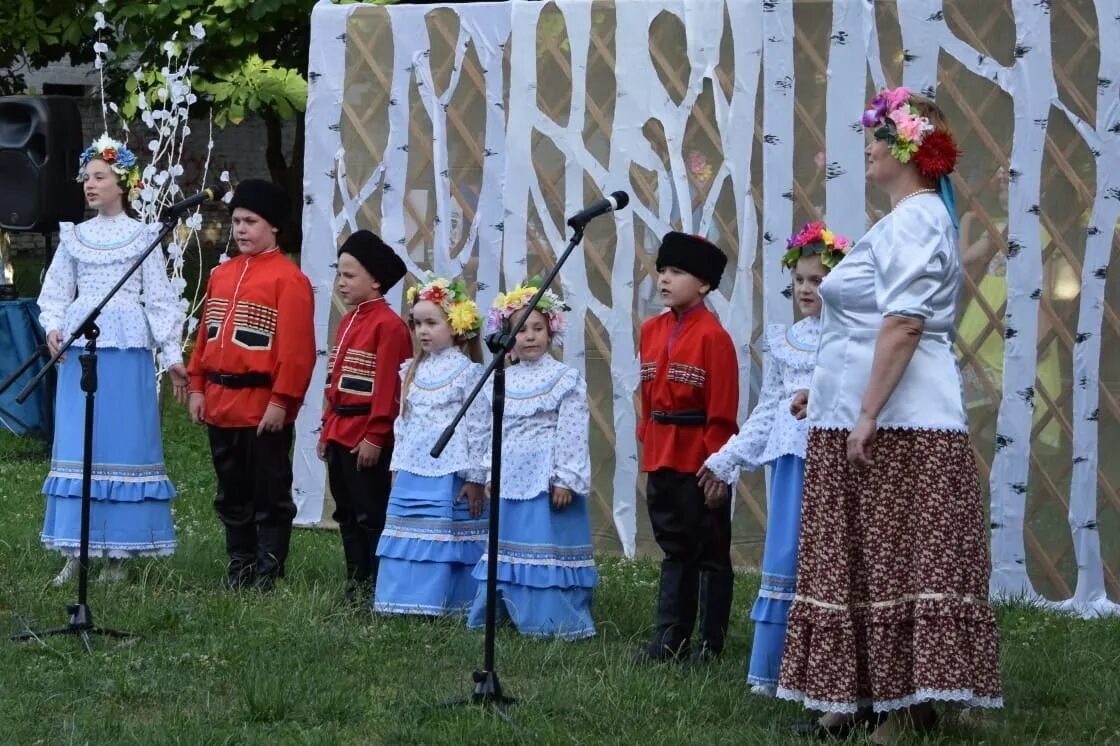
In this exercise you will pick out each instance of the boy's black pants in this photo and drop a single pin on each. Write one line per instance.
(254, 497)
(361, 499)
(696, 571)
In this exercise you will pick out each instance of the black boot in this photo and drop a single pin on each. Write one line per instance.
(716, 589)
(676, 612)
(356, 550)
(241, 546)
(272, 551)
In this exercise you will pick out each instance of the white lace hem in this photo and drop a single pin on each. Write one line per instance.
(111, 551)
(957, 696)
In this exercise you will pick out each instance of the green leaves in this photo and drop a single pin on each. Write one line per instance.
(254, 86)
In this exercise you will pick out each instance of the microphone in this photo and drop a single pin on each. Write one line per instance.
(616, 201)
(214, 191)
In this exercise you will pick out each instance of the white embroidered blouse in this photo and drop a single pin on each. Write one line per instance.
(91, 258)
(441, 384)
(908, 264)
(544, 437)
(771, 431)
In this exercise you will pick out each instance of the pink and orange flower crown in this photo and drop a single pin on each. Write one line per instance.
(815, 238)
(911, 136)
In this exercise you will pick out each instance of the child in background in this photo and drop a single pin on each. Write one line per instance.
(690, 401)
(546, 570)
(771, 435)
(363, 400)
(435, 529)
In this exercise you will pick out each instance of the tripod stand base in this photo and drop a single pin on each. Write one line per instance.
(80, 624)
(487, 690)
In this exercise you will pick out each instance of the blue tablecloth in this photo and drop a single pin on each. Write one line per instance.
(20, 333)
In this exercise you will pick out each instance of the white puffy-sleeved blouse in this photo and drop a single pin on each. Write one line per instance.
(441, 384)
(772, 431)
(544, 437)
(91, 258)
(908, 264)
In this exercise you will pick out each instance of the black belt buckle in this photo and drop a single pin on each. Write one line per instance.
(689, 417)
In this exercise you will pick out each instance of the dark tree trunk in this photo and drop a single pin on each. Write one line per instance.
(287, 174)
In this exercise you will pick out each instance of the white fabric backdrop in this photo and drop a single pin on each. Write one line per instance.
(763, 39)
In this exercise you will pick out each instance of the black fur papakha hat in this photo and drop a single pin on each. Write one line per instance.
(265, 199)
(376, 256)
(694, 254)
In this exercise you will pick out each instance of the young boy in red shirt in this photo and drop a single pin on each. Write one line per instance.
(689, 402)
(249, 371)
(363, 400)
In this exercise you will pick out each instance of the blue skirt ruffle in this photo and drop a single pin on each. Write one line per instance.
(546, 569)
(779, 572)
(428, 548)
(130, 512)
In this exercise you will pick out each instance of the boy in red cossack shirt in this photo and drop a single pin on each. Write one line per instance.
(363, 400)
(690, 402)
(249, 372)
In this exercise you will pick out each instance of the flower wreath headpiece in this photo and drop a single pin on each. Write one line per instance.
(506, 305)
(814, 238)
(120, 159)
(451, 296)
(910, 135)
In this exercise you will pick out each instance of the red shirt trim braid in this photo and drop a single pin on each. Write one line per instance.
(364, 371)
(688, 364)
(257, 318)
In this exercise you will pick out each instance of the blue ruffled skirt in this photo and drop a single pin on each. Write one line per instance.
(428, 548)
(546, 569)
(130, 509)
(779, 571)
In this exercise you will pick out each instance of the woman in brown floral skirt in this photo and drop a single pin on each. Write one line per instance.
(891, 611)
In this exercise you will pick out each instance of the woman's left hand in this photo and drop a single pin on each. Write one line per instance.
(179, 382)
(861, 440)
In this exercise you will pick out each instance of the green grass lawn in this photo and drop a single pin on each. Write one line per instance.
(298, 666)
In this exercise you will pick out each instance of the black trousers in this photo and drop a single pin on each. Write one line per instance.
(696, 571)
(254, 498)
(360, 499)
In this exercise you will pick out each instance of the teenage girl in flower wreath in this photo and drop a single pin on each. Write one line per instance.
(130, 509)
(546, 570)
(773, 436)
(435, 527)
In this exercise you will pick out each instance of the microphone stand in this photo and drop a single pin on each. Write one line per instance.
(80, 620)
(487, 689)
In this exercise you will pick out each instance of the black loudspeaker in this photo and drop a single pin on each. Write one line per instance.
(40, 143)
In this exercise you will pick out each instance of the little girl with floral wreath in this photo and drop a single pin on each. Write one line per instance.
(546, 570)
(773, 436)
(435, 526)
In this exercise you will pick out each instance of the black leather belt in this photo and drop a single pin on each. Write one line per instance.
(350, 410)
(240, 380)
(685, 417)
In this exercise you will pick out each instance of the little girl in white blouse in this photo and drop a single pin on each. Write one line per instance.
(771, 435)
(435, 525)
(546, 571)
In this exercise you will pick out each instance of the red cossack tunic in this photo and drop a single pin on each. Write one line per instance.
(688, 366)
(363, 374)
(257, 318)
